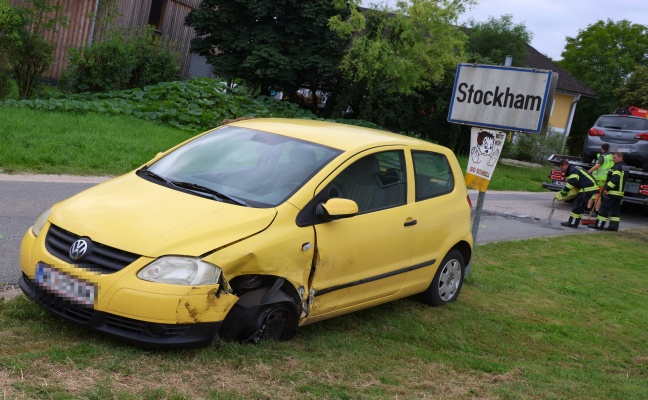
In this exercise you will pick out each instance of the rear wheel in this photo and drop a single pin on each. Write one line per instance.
(276, 321)
(447, 282)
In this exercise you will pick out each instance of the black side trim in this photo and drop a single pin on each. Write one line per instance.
(374, 278)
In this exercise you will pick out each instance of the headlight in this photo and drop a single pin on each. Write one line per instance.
(40, 222)
(180, 271)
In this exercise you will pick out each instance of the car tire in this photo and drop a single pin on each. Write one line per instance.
(277, 321)
(447, 282)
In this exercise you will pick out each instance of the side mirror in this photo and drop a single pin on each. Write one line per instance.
(336, 208)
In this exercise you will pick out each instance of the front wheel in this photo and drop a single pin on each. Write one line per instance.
(447, 282)
(276, 321)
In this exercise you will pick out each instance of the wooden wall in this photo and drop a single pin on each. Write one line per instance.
(133, 13)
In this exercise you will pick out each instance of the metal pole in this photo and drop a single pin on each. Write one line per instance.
(94, 20)
(475, 225)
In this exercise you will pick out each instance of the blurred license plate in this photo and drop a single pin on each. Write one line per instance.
(632, 187)
(66, 286)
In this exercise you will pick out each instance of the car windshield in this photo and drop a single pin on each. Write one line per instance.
(254, 168)
(623, 123)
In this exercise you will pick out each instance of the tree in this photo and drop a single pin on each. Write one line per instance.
(491, 41)
(280, 45)
(25, 50)
(395, 57)
(403, 50)
(602, 56)
(635, 91)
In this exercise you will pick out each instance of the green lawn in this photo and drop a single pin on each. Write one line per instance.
(50, 142)
(553, 318)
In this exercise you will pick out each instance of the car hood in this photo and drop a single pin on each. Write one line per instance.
(138, 216)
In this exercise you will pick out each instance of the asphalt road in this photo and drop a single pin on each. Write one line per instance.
(505, 215)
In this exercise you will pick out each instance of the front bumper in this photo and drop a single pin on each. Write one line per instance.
(141, 333)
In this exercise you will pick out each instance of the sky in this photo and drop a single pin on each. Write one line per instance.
(550, 21)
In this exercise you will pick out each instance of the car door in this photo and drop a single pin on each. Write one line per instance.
(363, 259)
(443, 215)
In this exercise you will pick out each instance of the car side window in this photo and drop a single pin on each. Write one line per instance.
(433, 175)
(376, 181)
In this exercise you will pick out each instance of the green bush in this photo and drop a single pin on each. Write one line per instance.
(533, 147)
(5, 85)
(29, 61)
(197, 104)
(121, 61)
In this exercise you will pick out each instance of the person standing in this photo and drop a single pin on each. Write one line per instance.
(613, 190)
(576, 177)
(599, 172)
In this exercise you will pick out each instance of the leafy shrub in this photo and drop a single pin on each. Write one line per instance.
(198, 104)
(534, 147)
(5, 85)
(121, 61)
(29, 61)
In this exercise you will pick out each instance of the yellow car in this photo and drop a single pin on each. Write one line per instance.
(252, 229)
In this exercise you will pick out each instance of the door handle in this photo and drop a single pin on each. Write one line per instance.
(410, 223)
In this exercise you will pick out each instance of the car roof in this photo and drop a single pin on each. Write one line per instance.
(332, 134)
(622, 116)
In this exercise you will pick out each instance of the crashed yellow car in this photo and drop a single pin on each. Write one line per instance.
(250, 230)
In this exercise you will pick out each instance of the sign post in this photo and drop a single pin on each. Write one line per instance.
(494, 99)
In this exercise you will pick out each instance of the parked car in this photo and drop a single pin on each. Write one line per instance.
(624, 133)
(252, 229)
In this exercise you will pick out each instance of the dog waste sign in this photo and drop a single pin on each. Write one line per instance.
(485, 149)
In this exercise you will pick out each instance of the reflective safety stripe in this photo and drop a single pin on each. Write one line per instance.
(612, 185)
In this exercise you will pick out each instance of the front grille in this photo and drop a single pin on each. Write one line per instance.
(102, 258)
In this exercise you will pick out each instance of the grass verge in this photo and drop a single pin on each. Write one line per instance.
(547, 318)
(80, 144)
(52, 142)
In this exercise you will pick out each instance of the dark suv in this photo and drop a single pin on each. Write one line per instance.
(624, 133)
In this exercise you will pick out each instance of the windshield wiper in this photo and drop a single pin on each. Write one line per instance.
(195, 187)
(216, 194)
(152, 174)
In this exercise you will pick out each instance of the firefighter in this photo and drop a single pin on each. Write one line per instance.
(613, 190)
(599, 172)
(577, 177)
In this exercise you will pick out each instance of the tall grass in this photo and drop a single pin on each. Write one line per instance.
(537, 319)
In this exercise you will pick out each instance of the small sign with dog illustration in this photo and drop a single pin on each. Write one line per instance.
(485, 149)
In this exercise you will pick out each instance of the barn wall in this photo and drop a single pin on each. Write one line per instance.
(133, 13)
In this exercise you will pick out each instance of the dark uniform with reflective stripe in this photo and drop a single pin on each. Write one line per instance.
(617, 179)
(577, 177)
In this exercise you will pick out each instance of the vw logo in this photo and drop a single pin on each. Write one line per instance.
(619, 134)
(78, 249)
